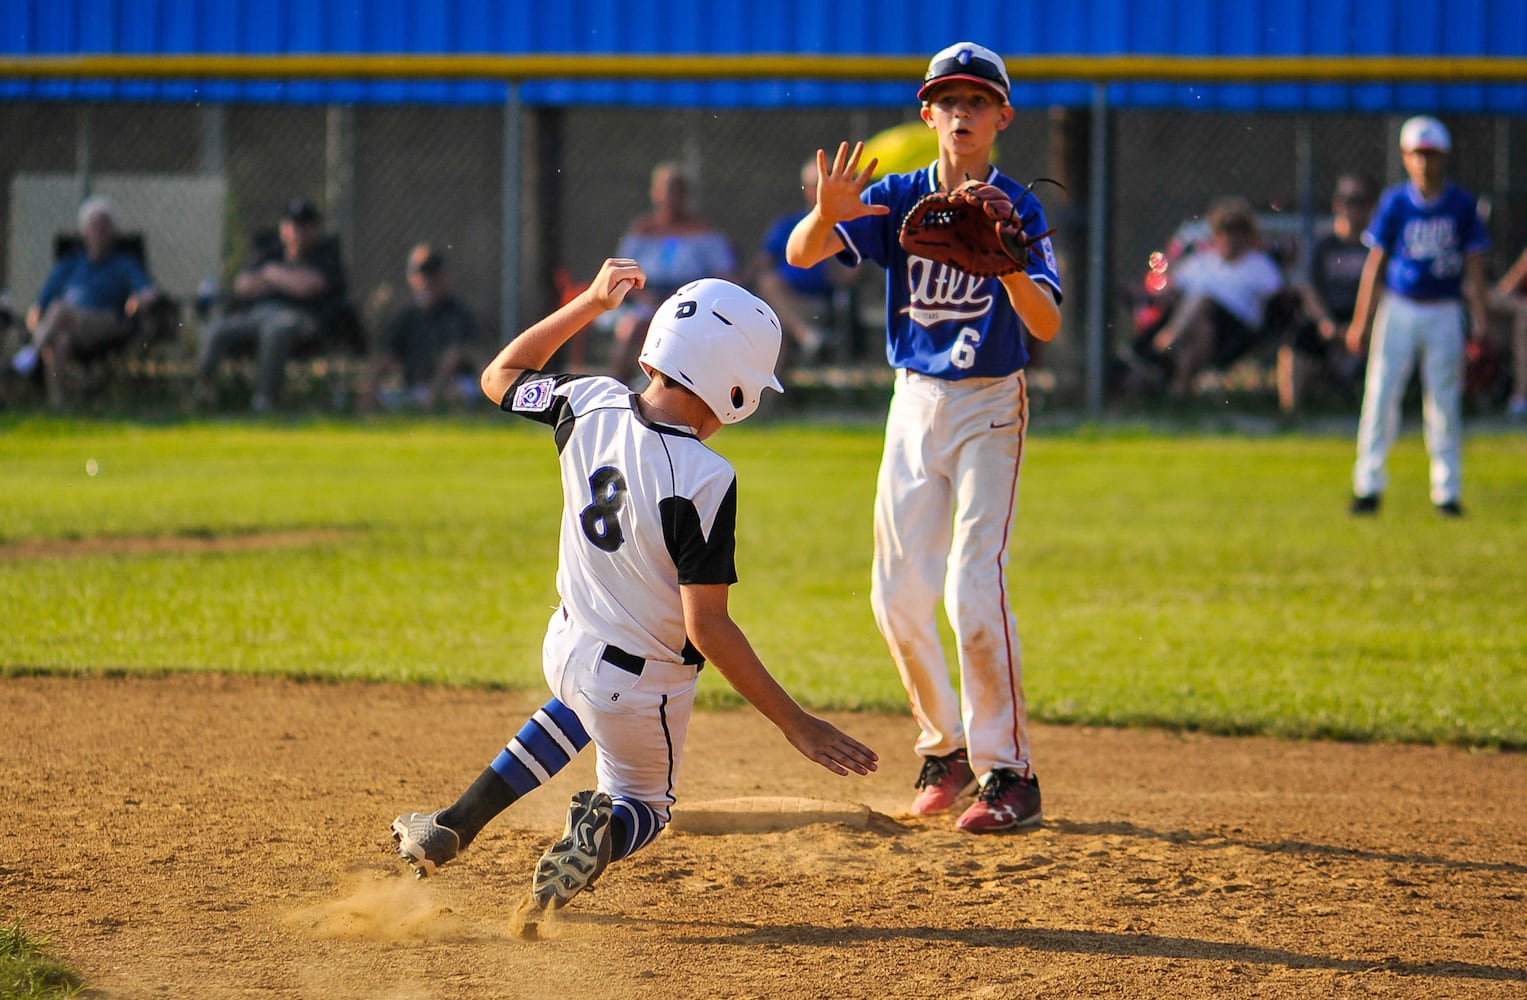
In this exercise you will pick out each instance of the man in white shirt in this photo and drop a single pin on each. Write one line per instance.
(1225, 287)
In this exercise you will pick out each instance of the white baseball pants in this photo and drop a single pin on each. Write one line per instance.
(637, 722)
(1402, 330)
(944, 506)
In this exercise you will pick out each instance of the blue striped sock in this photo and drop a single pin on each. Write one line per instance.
(635, 825)
(551, 738)
(543, 746)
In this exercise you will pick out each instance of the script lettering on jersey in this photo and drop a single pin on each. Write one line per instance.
(1436, 240)
(941, 294)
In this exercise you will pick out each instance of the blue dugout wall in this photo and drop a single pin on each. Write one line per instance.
(1445, 29)
(1326, 61)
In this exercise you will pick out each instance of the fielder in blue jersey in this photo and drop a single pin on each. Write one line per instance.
(1427, 245)
(948, 482)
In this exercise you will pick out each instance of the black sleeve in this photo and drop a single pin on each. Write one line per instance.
(395, 338)
(463, 325)
(265, 255)
(533, 396)
(328, 264)
(702, 560)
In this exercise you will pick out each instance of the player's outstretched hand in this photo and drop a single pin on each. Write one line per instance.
(616, 277)
(823, 742)
(839, 186)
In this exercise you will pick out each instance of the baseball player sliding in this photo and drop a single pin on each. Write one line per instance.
(948, 481)
(645, 565)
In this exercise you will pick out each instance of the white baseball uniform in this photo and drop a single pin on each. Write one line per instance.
(948, 484)
(646, 507)
(1426, 243)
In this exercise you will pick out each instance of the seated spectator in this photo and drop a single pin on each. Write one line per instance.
(1508, 298)
(431, 342)
(279, 302)
(84, 305)
(1318, 341)
(7, 315)
(1221, 292)
(674, 246)
(802, 297)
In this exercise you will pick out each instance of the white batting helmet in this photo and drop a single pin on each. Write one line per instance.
(720, 341)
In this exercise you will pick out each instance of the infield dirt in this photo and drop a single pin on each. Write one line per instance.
(195, 836)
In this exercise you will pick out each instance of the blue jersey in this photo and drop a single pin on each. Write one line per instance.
(809, 281)
(1427, 241)
(104, 285)
(941, 321)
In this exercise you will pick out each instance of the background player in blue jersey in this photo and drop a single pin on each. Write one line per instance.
(1427, 246)
(645, 565)
(948, 481)
(801, 297)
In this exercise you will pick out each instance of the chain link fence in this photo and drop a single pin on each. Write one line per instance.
(526, 200)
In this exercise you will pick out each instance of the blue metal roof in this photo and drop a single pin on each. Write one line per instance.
(1434, 28)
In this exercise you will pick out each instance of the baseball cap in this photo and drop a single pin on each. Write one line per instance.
(94, 206)
(967, 61)
(425, 259)
(1355, 189)
(1425, 132)
(301, 210)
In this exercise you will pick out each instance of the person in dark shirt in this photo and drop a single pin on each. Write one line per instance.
(1508, 299)
(431, 342)
(1328, 297)
(279, 302)
(84, 305)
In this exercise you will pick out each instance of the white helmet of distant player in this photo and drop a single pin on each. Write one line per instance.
(720, 341)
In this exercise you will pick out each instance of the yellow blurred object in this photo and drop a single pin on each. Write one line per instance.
(902, 148)
(909, 146)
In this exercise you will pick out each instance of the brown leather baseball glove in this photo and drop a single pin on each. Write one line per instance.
(974, 228)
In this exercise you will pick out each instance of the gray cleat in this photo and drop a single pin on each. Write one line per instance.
(573, 863)
(423, 842)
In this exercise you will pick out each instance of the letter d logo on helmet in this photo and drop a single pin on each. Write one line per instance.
(720, 341)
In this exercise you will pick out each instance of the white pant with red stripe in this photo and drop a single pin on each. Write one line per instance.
(1403, 330)
(944, 507)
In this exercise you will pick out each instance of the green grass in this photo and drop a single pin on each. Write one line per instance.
(1207, 582)
(28, 971)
